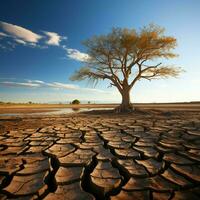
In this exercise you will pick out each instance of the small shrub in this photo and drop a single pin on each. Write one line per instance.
(75, 101)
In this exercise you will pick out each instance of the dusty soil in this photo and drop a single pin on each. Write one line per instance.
(38, 108)
(148, 154)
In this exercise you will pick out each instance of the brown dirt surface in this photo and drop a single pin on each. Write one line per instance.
(38, 108)
(148, 154)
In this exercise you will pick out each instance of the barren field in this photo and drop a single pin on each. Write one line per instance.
(35, 108)
(151, 154)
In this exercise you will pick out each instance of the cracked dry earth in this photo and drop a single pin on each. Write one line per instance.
(95, 157)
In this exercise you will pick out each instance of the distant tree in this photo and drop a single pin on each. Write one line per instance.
(126, 56)
(89, 102)
(30, 102)
(75, 101)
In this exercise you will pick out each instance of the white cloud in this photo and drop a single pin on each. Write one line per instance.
(54, 38)
(3, 34)
(19, 84)
(20, 32)
(35, 81)
(77, 55)
(55, 85)
(38, 81)
(20, 35)
(62, 86)
(20, 41)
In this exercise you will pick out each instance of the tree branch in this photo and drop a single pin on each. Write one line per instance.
(141, 72)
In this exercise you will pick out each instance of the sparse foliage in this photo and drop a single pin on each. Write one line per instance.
(126, 56)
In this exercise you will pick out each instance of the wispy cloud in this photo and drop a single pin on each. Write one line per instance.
(36, 81)
(3, 34)
(20, 41)
(63, 86)
(19, 84)
(20, 35)
(20, 32)
(54, 38)
(42, 84)
(77, 55)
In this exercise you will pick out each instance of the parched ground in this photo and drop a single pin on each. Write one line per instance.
(150, 154)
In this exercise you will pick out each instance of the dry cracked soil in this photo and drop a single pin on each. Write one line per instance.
(143, 156)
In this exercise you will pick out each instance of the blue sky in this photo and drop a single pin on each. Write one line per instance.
(41, 47)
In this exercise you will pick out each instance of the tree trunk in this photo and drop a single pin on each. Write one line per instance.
(125, 105)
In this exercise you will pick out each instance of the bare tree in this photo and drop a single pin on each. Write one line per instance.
(126, 56)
